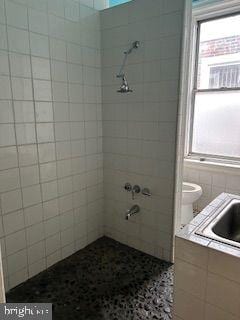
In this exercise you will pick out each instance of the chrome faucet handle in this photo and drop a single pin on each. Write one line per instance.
(135, 189)
(146, 192)
(128, 187)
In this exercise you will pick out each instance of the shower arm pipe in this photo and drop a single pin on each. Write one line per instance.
(135, 45)
(120, 73)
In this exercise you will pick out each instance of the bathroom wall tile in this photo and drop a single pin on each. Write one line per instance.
(59, 70)
(34, 110)
(2, 14)
(53, 243)
(40, 68)
(52, 226)
(63, 150)
(62, 131)
(213, 313)
(8, 157)
(16, 15)
(16, 241)
(187, 306)
(44, 112)
(49, 190)
(38, 21)
(18, 40)
(58, 49)
(4, 65)
(25, 133)
(6, 112)
(53, 258)
(61, 111)
(48, 171)
(37, 267)
(191, 253)
(13, 222)
(50, 209)
(60, 91)
(33, 215)
(17, 261)
(18, 277)
(10, 179)
(42, 90)
(45, 132)
(20, 65)
(220, 293)
(3, 37)
(190, 278)
(36, 252)
(27, 155)
(35, 233)
(39, 45)
(46, 152)
(29, 175)
(22, 89)
(31, 195)
(7, 135)
(5, 91)
(24, 111)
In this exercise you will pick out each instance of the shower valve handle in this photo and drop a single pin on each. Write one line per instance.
(135, 189)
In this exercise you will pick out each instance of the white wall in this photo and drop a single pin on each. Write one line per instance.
(51, 190)
(206, 279)
(51, 161)
(139, 128)
(213, 179)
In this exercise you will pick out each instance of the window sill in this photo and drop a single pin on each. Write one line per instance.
(212, 166)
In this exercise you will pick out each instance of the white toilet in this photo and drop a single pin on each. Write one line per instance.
(190, 193)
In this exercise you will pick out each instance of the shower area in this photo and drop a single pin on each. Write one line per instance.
(89, 101)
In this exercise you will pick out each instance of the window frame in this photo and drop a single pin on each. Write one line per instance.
(189, 154)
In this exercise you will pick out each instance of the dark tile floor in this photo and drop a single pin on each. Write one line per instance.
(107, 281)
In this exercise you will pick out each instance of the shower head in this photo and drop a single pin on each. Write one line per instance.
(124, 86)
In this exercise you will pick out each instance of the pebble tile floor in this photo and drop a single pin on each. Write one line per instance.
(104, 281)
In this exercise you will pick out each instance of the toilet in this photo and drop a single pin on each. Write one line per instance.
(190, 193)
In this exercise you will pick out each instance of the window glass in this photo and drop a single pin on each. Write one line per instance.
(113, 3)
(216, 111)
(219, 53)
(216, 124)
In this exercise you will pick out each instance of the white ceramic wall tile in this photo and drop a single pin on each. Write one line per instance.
(212, 298)
(213, 181)
(57, 118)
(139, 128)
(20, 65)
(24, 111)
(36, 130)
(18, 40)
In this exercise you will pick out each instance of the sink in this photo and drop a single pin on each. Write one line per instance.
(224, 224)
(228, 226)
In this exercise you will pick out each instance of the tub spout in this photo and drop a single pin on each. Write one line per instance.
(133, 210)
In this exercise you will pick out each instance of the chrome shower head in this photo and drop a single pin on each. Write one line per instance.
(124, 86)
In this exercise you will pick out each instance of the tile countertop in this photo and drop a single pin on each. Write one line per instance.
(189, 231)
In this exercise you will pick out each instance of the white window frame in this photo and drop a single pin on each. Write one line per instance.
(203, 12)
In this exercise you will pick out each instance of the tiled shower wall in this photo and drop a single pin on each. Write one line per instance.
(213, 180)
(139, 128)
(51, 175)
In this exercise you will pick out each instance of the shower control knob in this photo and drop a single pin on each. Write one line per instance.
(146, 192)
(135, 189)
(128, 187)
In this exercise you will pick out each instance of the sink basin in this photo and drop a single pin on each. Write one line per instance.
(228, 225)
(224, 224)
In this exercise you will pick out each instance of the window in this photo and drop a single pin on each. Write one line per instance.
(113, 3)
(215, 117)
